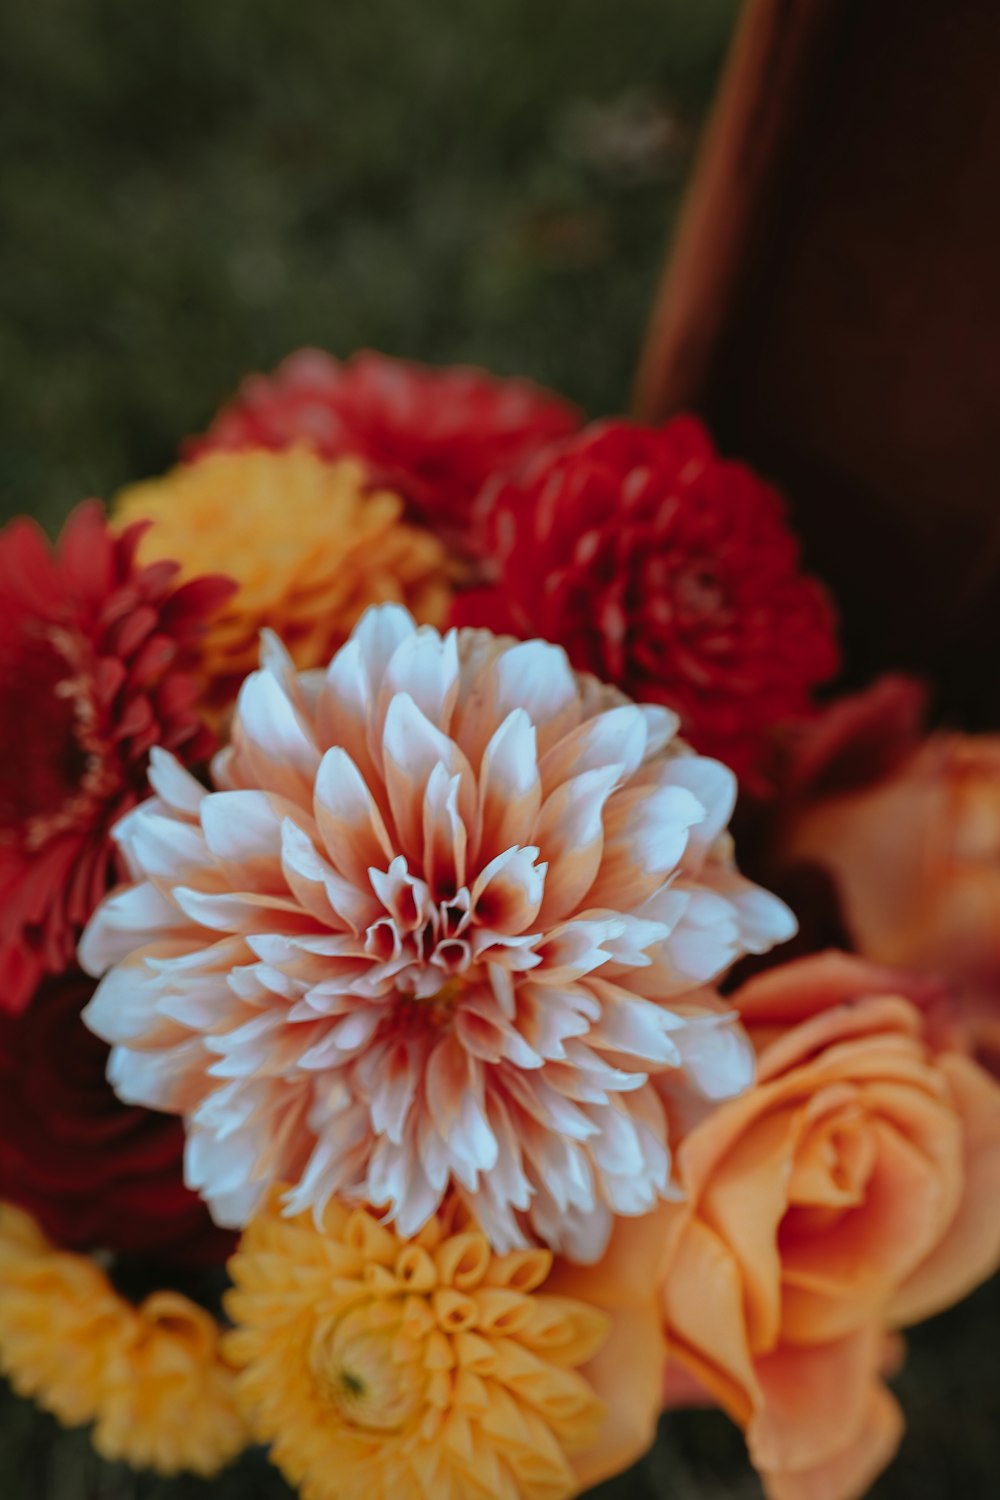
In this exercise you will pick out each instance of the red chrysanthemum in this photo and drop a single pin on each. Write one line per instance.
(431, 435)
(95, 1173)
(667, 570)
(95, 659)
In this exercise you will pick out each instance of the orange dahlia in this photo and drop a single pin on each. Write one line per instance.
(309, 543)
(450, 909)
(432, 1368)
(149, 1377)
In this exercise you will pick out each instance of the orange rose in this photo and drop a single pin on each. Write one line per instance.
(856, 1187)
(916, 858)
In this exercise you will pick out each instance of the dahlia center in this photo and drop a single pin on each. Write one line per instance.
(51, 766)
(427, 947)
(355, 1364)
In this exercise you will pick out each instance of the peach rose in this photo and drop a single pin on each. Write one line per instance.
(855, 1188)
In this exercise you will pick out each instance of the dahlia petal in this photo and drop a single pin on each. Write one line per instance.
(349, 822)
(343, 707)
(662, 726)
(763, 919)
(396, 1178)
(412, 748)
(616, 1149)
(444, 836)
(538, 680)
(201, 1004)
(170, 1080)
(392, 1096)
(123, 1008)
(276, 750)
(548, 1107)
(162, 847)
(424, 665)
(343, 1040)
(716, 1054)
(586, 1077)
(173, 784)
(645, 837)
(546, 1020)
(615, 736)
(630, 942)
(570, 830)
(510, 788)
(486, 1033)
(406, 898)
(713, 786)
(472, 1145)
(379, 634)
(704, 937)
(582, 1235)
(575, 948)
(239, 1051)
(130, 916)
(448, 1077)
(242, 911)
(329, 897)
(507, 893)
(222, 1172)
(634, 1027)
(242, 830)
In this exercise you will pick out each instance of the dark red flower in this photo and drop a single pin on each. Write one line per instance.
(432, 435)
(668, 571)
(95, 1173)
(95, 659)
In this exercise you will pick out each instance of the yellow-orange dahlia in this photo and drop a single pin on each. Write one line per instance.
(432, 1368)
(309, 543)
(150, 1377)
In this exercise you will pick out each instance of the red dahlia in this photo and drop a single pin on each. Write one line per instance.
(95, 1173)
(432, 435)
(666, 570)
(95, 659)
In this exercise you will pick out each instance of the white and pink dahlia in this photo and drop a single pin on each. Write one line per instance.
(448, 912)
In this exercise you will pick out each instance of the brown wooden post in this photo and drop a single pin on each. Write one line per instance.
(832, 307)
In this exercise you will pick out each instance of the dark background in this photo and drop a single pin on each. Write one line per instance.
(191, 189)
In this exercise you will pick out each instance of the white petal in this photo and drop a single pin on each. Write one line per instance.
(124, 921)
(616, 736)
(349, 822)
(173, 784)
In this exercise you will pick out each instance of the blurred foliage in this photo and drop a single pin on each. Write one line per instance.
(193, 189)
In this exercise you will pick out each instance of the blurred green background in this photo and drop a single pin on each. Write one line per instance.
(192, 189)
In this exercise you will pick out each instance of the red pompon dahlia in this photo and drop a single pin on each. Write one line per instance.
(95, 659)
(668, 571)
(95, 1173)
(431, 435)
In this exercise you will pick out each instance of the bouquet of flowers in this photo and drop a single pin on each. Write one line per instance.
(399, 1071)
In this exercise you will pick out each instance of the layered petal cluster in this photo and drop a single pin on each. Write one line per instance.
(447, 912)
(433, 1368)
(433, 436)
(310, 544)
(854, 1189)
(98, 661)
(95, 1173)
(150, 1378)
(914, 855)
(668, 571)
